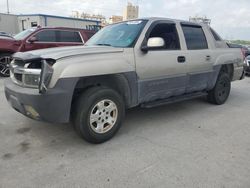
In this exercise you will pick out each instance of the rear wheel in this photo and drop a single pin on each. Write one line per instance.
(5, 60)
(98, 114)
(220, 93)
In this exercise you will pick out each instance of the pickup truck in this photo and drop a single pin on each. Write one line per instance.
(144, 62)
(39, 38)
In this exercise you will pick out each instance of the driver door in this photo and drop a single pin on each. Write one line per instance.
(162, 71)
(44, 39)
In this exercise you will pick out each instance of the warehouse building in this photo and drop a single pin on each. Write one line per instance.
(9, 23)
(33, 20)
(15, 23)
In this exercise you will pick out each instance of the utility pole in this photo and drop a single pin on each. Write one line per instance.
(8, 8)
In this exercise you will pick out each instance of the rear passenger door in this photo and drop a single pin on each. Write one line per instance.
(69, 38)
(198, 57)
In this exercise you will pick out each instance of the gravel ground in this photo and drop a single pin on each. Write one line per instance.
(188, 144)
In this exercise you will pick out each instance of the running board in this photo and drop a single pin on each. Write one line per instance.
(173, 99)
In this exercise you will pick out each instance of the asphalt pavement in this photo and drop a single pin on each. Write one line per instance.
(188, 144)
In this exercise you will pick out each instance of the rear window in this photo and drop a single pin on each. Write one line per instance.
(195, 37)
(69, 36)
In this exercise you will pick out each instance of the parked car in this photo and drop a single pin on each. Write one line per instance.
(247, 51)
(39, 38)
(247, 66)
(144, 62)
(4, 34)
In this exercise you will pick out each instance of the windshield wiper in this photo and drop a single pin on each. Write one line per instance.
(104, 44)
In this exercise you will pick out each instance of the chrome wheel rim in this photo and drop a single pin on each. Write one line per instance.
(5, 65)
(103, 116)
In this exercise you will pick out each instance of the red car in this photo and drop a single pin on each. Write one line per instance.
(39, 38)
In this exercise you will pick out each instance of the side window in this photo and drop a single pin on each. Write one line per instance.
(195, 37)
(69, 36)
(46, 36)
(169, 33)
(216, 36)
(33, 24)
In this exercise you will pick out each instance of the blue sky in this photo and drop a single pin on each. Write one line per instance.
(231, 18)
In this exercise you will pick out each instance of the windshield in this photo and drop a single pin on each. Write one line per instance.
(24, 34)
(122, 34)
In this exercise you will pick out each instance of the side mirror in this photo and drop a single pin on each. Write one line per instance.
(32, 39)
(153, 43)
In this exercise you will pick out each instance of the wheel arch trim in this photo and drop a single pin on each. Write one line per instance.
(124, 83)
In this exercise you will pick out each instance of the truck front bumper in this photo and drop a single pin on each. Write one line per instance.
(54, 106)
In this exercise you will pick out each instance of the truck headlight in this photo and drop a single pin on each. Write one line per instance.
(31, 80)
(45, 76)
(25, 77)
(34, 74)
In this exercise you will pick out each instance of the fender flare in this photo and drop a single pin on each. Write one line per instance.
(124, 83)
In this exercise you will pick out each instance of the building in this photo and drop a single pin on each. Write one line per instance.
(32, 20)
(13, 24)
(200, 20)
(130, 12)
(9, 23)
(115, 19)
(83, 15)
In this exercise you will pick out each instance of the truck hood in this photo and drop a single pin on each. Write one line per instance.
(63, 52)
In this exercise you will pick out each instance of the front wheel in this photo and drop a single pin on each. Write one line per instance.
(98, 114)
(220, 93)
(5, 60)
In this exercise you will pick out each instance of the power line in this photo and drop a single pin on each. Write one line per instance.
(8, 8)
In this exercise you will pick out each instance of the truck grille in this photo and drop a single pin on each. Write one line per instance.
(25, 74)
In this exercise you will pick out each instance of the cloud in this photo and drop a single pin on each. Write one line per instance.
(230, 18)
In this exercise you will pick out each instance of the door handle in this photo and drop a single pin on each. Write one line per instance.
(208, 57)
(181, 59)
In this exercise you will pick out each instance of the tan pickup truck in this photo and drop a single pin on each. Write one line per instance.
(144, 62)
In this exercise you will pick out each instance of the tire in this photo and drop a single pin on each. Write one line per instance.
(98, 114)
(220, 93)
(5, 60)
